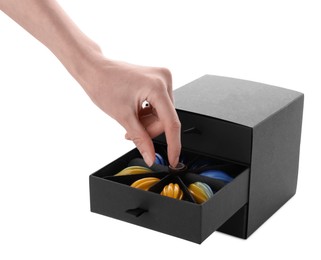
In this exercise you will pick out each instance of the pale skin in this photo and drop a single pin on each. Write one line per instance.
(118, 88)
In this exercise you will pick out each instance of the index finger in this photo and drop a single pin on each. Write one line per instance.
(172, 127)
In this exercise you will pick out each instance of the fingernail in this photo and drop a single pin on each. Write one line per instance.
(175, 162)
(148, 160)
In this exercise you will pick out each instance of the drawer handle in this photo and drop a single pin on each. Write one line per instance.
(136, 212)
(192, 130)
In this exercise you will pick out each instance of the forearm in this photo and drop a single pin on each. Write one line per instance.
(47, 22)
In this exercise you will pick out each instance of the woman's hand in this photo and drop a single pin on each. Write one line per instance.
(120, 89)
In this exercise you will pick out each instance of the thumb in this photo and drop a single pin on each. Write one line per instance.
(137, 133)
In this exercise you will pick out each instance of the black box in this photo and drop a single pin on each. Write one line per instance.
(251, 129)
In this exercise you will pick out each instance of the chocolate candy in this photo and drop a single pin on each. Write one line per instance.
(134, 170)
(145, 183)
(172, 190)
(200, 191)
(159, 159)
(217, 174)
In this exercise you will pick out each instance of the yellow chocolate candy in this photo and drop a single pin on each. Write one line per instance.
(172, 190)
(200, 191)
(144, 183)
(133, 170)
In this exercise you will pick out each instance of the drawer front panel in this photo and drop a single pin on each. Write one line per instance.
(178, 218)
(214, 137)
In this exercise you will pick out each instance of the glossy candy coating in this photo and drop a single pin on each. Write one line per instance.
(217, 174)
(159, 159)
(200, 191)
(145, 183)
(172, 190)
(133, 170)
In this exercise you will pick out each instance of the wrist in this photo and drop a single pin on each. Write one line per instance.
(77, 55)
(88, 66)
(80, 59)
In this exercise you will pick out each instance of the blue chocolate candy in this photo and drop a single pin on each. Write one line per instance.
(159, 159)
(217, 174)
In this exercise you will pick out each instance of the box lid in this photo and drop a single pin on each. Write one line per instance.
(240, 101)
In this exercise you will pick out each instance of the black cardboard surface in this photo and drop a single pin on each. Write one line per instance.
(215, 137)
(275, 158)
(239, 101)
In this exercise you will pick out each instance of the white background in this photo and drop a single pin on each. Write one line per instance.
(52, 137)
